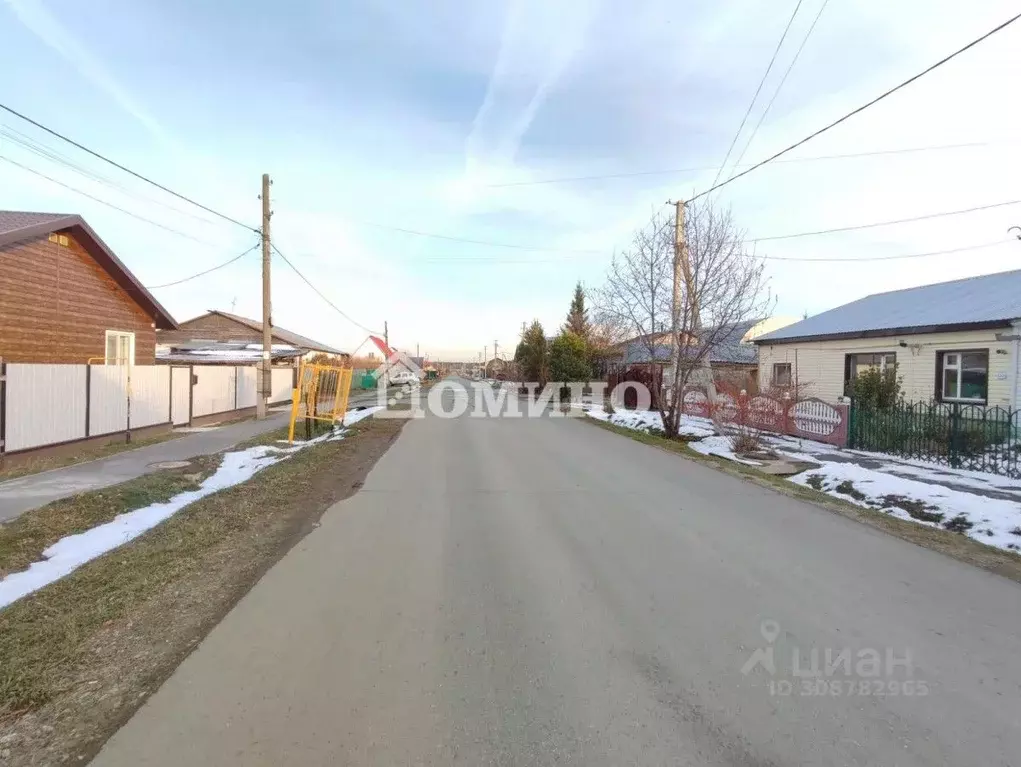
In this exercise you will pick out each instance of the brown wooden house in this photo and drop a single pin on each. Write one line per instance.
(66, 298)
(223, 327)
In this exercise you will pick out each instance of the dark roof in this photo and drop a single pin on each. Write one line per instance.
(279, 333)
(992, 300)
(16, 226)
(727, 349)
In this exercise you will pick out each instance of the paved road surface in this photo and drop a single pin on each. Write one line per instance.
(534, 592)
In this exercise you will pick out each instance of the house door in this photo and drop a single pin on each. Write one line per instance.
(180, 395)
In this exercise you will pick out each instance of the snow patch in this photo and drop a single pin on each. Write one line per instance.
(72, 551)
(720, 446)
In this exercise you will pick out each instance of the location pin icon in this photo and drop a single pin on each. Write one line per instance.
(770, 630)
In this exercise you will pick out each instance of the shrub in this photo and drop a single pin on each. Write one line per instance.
(876, 389)
(745, 441)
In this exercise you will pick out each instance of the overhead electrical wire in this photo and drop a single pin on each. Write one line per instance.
(860, 109)
(875, 224)
(104, 202)
(672, 171)
(758, 90)
(885, 258)
(49, 153)
(124, 168)
(779, 87)
(319, 293)
(205, 272)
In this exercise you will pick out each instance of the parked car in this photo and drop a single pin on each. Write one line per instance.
(403, 378)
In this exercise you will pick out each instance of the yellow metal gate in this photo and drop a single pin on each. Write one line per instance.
(320, 399)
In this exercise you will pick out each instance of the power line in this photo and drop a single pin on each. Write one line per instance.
(758, 90)
(207, 271)
(780, 85)
(862, 108)
(124, 168)
(672, 171)
(48, 153)
(886, 258)
(874, 224)
(104, 202)
(320, 294)
(489, 243)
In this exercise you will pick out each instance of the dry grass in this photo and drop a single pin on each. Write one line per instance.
(84, 454)
(77, 657)
(960, 547)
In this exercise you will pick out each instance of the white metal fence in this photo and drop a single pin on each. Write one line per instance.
(50, 404)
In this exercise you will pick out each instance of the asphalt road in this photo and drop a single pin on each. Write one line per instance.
(542, 591)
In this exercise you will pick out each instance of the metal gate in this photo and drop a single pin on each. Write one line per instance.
(320, 398)
(180, 396)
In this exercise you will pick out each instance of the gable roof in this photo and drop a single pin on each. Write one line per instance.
(727, 347)
(281, 334)
(16, 226)
(992, 300)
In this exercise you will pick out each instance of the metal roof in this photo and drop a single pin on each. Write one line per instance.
(727, 347)
(17, 226)
(991, 300)
(279, 333)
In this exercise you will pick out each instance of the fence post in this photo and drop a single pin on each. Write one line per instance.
(955, 436)
(236, 376)
(3, 407)
(191, 392)
(88, 398)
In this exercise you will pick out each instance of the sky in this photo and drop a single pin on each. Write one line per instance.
(457, 118)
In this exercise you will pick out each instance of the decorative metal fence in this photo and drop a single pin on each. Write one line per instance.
(959, 436)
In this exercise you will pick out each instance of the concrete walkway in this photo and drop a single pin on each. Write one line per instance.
(34, 490)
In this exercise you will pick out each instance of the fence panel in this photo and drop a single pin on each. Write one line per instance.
(971, 437)
(214, 390)
(282, 384)
(150, 395)
(108, 399)
(248, 383)
(180, 379)
(45, 405)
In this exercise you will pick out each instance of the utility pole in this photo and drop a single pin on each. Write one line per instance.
(267, 319)
(417, 352)
(386, 336)
(496, 347)
(682, 272)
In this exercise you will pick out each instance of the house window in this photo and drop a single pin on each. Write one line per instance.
(963, 375)
(60, 239)
(120, 348)
(781, 374)
(859, 363)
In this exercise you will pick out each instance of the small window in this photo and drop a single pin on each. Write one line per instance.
(120, 348)
(858, 363)
(781, 374)
(60, 239)
(963, 375)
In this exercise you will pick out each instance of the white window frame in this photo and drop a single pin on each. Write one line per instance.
(790, 373)
(959, 368)
(131, 346)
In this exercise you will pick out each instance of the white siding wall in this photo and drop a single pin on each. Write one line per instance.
(214, 391)
(45, 404)
(248, 383)
(108, 399)
(818, 366)
(150, 395)
(282, 385)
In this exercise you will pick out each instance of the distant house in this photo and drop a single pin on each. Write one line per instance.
(733, 356)
(66, 298)
(950, 342)
(216, 327)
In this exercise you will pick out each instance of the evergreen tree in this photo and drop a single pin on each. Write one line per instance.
(577, 317)
(532, 354)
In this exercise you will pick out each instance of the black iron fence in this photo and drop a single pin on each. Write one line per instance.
(960, 436)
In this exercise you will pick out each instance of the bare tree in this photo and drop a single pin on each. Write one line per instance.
(727, 286)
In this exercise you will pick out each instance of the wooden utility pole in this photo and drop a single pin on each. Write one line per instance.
(683, 276)
(267, 319)
(496, 348)
(386, 336)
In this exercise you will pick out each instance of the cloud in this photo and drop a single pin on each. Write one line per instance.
(48, 28)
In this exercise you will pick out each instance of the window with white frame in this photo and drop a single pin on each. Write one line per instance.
(781, 374)
(963, 375)
(120, 347)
